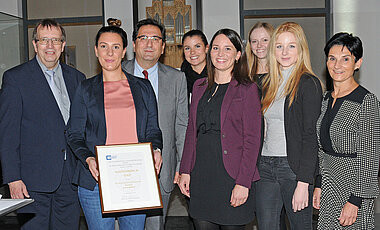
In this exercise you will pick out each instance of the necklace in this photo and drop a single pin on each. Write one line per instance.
(213, 94)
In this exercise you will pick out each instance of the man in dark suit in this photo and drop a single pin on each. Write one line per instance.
(34, 110)
(170, 88)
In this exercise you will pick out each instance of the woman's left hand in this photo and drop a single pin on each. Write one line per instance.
(239, 195)
(317, 198)
(301, 196)
(348, 215)
(157, 160)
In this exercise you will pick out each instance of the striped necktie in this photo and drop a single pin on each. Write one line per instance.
(145, 74)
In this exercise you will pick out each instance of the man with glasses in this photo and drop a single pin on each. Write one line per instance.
(170, 88)
(34, 111)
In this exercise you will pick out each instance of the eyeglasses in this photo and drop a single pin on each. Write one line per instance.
(145, 38)
(45, 41)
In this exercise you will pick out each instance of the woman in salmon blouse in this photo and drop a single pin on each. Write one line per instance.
(111, 108)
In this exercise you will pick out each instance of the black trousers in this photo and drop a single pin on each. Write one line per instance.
(205, 225)
(56, 210)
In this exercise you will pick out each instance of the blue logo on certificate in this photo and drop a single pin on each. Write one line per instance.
(110, 157)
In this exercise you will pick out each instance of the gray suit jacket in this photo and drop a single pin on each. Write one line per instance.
(172, 118)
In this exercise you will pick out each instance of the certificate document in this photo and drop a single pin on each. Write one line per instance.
(127, 178)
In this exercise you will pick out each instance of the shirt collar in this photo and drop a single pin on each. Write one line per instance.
(44, 68)
(151, 70)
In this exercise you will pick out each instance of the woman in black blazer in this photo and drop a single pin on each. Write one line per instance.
(290, 104)
(128, 104)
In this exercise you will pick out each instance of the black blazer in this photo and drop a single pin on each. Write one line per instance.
(300, 128)
(32, 129)
(87, 126)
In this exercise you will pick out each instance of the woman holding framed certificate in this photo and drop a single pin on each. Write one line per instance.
(113, 107)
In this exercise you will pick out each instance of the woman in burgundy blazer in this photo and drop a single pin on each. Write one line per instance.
(222, 195)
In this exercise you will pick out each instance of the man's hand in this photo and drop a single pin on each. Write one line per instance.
(317, 198)
(176, 178)
(157, 160)
(348, 215)
(301, 196)
(18, 190)
(239, 195)
(91, 162)
(184, 184)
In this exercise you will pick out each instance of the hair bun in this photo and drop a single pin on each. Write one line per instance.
(114, 22)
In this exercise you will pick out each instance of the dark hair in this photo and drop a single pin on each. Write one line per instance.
(112, 28)
(148, 21)
(47, 22)
(352, 43)
(193, 33)
(240, 70)
(114, 22)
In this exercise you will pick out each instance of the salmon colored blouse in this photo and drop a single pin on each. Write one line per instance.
(120, 113)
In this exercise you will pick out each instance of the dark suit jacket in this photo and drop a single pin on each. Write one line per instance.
(240, 131)
(32, 129)
(300, 128)
(87, 126)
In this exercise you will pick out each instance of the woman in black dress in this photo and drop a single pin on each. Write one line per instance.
(222, 139)
(195, 47)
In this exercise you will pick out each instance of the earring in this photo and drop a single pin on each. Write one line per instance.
(236, 61)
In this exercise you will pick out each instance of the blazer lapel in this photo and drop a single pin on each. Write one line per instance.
(162, 86)
(41, 85)
(69, 84)
(227, 100)
(196, 97)
(129, 66)
(97, 94)
(139, 105)
(40, 81)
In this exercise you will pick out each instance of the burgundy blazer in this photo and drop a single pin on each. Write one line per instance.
(240, 131)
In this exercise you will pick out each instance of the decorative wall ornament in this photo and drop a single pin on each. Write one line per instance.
(175, 15)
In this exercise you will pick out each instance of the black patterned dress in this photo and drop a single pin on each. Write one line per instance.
(349, 149)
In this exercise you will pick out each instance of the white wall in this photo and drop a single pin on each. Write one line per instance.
(123, 10)
(361, 18)
(218, 14)
(12, 7)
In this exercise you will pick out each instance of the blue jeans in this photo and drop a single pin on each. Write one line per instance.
(274, 190)
(90, 202)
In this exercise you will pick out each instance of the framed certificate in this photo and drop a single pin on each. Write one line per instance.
(127, 178)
